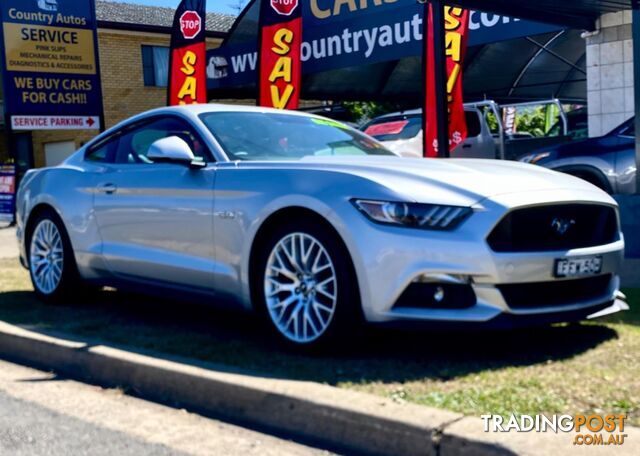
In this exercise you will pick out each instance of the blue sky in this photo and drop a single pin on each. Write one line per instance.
(217, 6)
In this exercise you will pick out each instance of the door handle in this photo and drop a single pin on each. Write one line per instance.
(108, 189)
(466, 146)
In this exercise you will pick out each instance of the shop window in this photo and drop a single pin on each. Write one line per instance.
(155, 65)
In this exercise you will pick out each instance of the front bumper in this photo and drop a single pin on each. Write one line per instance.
(506, 321)
(391, 259)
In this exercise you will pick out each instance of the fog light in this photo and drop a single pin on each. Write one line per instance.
(439, 295)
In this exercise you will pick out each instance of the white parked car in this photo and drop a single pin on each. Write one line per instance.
(401, 132)
(317, 226)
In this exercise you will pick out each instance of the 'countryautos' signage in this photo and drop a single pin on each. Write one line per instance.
(346, 33)
(50, 62)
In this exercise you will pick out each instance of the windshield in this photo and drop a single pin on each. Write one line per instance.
(577, 125)
(271, 136)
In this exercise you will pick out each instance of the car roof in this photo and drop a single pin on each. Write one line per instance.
(414, 112)
(197, 109)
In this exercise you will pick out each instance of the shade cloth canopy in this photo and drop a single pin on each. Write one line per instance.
(508, 60)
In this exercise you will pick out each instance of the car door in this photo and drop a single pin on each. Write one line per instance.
(478, 144)
(155, 219)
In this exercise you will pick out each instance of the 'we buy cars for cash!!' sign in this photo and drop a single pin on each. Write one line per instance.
(50, 64)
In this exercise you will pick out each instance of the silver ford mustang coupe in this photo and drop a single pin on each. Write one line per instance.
(317, 226)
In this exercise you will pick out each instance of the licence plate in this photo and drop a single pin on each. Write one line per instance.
(577, 267)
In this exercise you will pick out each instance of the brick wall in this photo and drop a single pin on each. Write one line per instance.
(123, 86)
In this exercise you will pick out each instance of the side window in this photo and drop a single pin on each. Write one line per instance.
(134, 144)
(103, 152)
(473, 124)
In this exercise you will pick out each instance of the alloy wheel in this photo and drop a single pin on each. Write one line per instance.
(46, 257)
(300, 288)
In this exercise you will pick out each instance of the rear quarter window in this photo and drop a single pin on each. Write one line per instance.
(103, 151)
(395, 128)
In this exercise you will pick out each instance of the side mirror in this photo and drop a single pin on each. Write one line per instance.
(175, 150)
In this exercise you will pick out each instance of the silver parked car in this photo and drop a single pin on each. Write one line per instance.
(317, 226)
(401, 132)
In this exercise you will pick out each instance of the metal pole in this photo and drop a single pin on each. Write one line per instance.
(636, 84)
(442, 105)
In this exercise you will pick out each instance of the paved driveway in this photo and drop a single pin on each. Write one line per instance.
(8, 246)
(41, 414)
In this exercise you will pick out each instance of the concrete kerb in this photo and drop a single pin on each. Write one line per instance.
(340, 419)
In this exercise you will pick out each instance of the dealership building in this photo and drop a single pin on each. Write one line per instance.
(134, 52)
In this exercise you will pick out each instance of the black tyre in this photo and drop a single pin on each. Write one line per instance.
(304, 285)
(52, 265)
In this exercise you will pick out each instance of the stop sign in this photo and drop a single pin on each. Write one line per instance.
(284, 7)
(190, 24)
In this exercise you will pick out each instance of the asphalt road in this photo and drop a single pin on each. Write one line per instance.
(43, 415)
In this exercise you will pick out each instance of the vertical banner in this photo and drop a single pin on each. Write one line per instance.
(280, 66)
(7, 193)
(509, 116)
(188, 55)
(50, 65)
(456, 27)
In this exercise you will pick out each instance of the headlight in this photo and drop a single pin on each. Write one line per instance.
(534, 158)
(413, 215)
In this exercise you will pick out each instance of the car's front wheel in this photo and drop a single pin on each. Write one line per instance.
(51, 262)
(307, 287)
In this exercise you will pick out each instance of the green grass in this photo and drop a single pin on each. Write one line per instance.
(590, 367)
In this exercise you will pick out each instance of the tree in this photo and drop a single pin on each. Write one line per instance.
(363, 111)
(238, 6)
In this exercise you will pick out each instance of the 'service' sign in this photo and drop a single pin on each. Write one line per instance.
(50, 62)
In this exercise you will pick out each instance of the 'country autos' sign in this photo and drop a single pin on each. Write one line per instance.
(50, 65)
(347, 33)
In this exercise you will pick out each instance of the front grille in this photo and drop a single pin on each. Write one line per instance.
(553, 294)
(422, 296)
(557, 227)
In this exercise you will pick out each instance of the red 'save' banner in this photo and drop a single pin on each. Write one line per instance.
(187, 61)
(456, 29)
(280, 72)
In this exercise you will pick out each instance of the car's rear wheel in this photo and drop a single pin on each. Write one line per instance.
(305, 285)
(51, 262)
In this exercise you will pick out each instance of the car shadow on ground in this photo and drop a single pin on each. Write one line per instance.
(210, 337)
